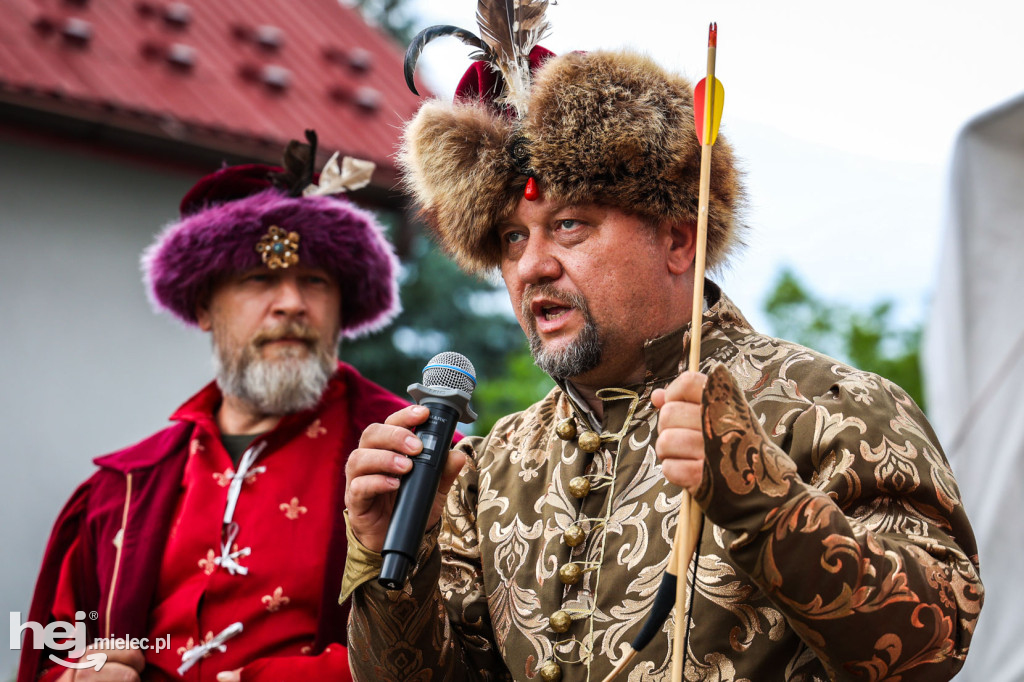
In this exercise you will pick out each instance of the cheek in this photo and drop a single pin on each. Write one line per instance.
(514, 286)
(325, 313)
(517, 309)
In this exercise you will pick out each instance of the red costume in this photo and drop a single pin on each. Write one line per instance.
(139, 544)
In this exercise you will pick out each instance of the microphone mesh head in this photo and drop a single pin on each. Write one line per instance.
(451, 370)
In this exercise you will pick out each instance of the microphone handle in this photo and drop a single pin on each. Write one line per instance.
(416, 494)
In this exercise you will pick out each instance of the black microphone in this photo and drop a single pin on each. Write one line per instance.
(448, 381)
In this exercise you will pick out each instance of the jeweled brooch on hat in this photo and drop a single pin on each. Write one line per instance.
(279, 249)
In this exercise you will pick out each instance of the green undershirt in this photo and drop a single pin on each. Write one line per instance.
(236, 445)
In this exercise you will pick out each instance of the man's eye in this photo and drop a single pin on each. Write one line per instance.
(568, 224)
(514, 237)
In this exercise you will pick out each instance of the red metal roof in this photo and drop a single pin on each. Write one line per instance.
(233, 74)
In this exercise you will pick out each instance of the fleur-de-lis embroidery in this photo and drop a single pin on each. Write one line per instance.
(195, 447)
(191, 644)
(188, 645)
(275, 601)
(316, 429)
(209, 565)
(293, 510)
(224, 480)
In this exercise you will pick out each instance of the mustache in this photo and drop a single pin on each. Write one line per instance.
(288, 330)
(571, 299)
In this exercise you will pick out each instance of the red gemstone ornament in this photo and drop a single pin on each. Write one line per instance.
(531, 193)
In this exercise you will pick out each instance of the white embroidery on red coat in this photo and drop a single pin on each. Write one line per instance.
(293, 510)
(213, 643)
(316, 429)
(275, 601)
(195, 446)
(191, 644)
(224, 480)
(229, 560)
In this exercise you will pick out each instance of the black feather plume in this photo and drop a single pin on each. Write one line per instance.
(412, 55)
(299, 166)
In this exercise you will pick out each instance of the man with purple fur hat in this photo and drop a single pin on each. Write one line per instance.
(213, 550)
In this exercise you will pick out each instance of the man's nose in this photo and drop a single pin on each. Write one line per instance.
(538, 263)
(289, 298)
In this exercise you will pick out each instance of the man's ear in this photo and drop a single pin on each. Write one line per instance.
(682, 245)
(203, 316)
(204, 302)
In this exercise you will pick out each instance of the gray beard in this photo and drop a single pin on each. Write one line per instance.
(274, 387)
(579, 356)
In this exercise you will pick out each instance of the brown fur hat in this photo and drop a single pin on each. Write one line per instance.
(608, 128)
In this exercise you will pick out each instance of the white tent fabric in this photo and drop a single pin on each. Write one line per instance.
(974, 367)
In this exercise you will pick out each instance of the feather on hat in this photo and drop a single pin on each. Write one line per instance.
(610, 128)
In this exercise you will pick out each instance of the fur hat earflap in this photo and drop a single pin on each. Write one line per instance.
(610, 128)
(465, 191)
(228, 213)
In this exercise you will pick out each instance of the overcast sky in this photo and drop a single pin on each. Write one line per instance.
(844, 115)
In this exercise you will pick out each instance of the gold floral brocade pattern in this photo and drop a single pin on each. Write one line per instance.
(835, 545)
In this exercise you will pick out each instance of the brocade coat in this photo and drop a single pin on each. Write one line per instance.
(835, 544)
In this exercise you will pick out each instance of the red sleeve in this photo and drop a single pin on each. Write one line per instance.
(56, 580)
(332, 664)
(63, 609)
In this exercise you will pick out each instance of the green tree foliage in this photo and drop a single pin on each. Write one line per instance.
(869, 339)
(394, 16)
(444, 309)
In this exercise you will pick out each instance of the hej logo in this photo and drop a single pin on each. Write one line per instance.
(59, 636)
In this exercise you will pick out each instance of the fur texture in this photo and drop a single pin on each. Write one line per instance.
(182, 263)
(603, 127)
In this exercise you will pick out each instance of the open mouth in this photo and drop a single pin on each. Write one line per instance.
(553, 312)
(549, 313)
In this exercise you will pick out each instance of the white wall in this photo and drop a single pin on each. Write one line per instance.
(974, 365)
(86, 367)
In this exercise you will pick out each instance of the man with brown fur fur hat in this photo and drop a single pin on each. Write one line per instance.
(835, 545)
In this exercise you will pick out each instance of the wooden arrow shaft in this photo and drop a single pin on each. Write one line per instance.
(699, 261)
(689, 522)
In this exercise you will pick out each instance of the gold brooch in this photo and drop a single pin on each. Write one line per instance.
(279, 249)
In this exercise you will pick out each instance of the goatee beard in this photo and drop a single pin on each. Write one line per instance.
(581, 355)
(291, 381)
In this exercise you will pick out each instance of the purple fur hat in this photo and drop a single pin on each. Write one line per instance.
(228, 212)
